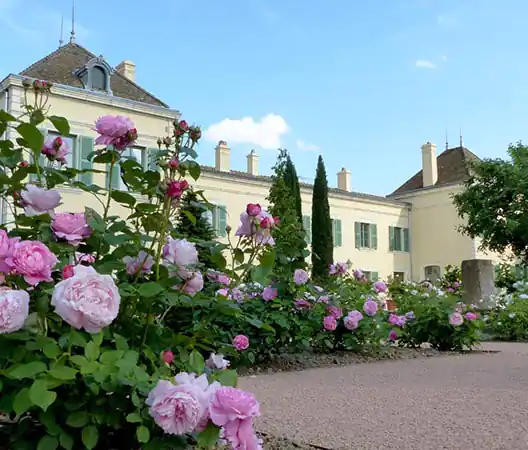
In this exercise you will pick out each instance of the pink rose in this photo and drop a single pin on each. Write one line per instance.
(300, 277)
(87, 300)
(234, 410)
(393, 335)
(68, 271)
(222, 292)
(370, 307)
(380, 286)
(176, 188)
(456, 319)
(217, 362)
(253, 209)
(330, 323)
(350, 323)
(471, 316)
(193, 284)
(7, 246)
(33, 260)
(241, 342)
(248, 228)
(14, 309)
(117, 131)
(56, 149)
(301, 303)
(140, 264)
(167, 356)
(270, 293)
(335, 311)
(84, 258)
(37, 200)
(71, 227)
(180, 252)
(223, 279)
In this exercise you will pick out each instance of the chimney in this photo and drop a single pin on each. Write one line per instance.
(222, 156)
(252, 163)
(429, 165)
(343, 180)
(127, 69)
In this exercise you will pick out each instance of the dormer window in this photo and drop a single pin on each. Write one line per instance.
(95, 75)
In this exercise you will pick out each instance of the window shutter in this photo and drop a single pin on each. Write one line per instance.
(338, 235)
(152, 159)
(406, 241)
(84, 147)
(307, 225)
(115, 176)
(391, 239)
(222, 220)
(374, 276)
(357, 232)
(373, 236)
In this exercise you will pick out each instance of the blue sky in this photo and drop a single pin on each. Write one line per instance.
(363, 83)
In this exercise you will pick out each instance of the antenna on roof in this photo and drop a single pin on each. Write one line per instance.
(61, 42)
(461, 140)
(446, 142)
(72, 33)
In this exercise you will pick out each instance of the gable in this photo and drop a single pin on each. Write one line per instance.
(452, 169)
(59, 67)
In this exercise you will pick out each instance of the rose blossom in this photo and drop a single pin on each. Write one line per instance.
(71, 227)
(84, 258)
(56, 149)
(248, 228)
(33, 260)
(399, 321)
(140, 264)
(193, 283)
(217, 362)
(370, 307)
(253, 209)
(410, 315)
(270, 293)
(335, 311)
(37, 200)
(355, 315)
(330, 323)
(380, 286)
(339, 268)
(180, 252)
(234, 410)
(350, 323)
(167, 356)
(117, 131)
(87, 300)
(300, 277)
(241, 342)
(393, 335)
(68, 271)
(471, 316)
(176, 188)
(223, 292)
(7, 246)
(301, 303)
(14, 309)
(358, 274)
(456, 319)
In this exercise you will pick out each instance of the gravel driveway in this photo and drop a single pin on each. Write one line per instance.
(477, 401)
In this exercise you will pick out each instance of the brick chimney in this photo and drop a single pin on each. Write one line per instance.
(127, 69)
(343, 180)
(429, 165)
(252, 163)
(222, 156)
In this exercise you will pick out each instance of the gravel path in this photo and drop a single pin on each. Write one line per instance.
(457, 402)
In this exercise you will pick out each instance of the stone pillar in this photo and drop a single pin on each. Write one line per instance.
(478, 281)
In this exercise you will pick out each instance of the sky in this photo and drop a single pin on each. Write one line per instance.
(363, 83)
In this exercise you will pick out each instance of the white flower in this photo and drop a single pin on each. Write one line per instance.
(414, 292)
(217, 362)
(512, 315)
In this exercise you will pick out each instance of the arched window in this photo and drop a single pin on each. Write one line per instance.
(98, 78)
(432, 273)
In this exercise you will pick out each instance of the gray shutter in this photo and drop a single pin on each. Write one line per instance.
(391, 239)
(357, 232)
(406, 240)
(222, 220)
(374, 236)
(83, 147)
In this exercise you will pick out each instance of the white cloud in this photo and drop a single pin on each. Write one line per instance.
(425, 64)
(306, 146)
(266, 132)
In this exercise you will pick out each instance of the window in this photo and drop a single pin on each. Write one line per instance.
(336, 233)
(372, 276)
(95, 75)
(432, 273)
(398, 239)
(399, 276)
(307, 226)
(218, 219)
(366, 235)
(98, 78)
(137, 154)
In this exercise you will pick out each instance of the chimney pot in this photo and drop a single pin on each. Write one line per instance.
(222, 156)
(127, 69)
(344, 180)
(252, 163)
(429, 165)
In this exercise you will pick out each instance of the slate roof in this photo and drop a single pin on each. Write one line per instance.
(358, 195)
(452, 168)
(58, 67)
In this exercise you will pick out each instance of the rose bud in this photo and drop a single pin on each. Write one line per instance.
(167, 356)
(253, 209)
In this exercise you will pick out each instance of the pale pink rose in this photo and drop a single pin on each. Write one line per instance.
(248, 228)
(241, 342)
(300, 277)
(56, 149)
(140, 264)
(117, 131)
(234, 410)
(330, 323)
(87, 300)
(350, 323)
(471, 316)
(175, 408)
(370, 307)
(180, 252)
(380, 286)
(33, 260)
(84, 258)
(193, 284)
(335, 311)
(217, 362)
(456, 319)
(7, 247)
(223, 292)
(37, 200)
(71, 227)
(223, 279)
(14, 309)
(302, 303)
(355, 315)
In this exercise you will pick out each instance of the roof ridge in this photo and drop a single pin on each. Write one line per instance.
(52, 54)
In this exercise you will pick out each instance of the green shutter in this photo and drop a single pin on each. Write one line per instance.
(222, 220)
(374, 276)
(307, 225)
(115, 176)
(373, 236)
(391, 239)
(338, 235)
(406, 242)
(357, 232)
(152, 159)
(84, 146)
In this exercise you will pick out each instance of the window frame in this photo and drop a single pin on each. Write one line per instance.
(368, 235)
(144, 163)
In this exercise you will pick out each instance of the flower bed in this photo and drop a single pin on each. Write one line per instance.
(113, 335)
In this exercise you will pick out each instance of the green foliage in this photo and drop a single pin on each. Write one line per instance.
(322, 239)
(292, 182)
(494, 203)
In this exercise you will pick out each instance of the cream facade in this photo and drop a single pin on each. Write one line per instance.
(402, 235)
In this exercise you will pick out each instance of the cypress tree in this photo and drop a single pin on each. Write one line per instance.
(322, 239)
(292, 181)
(198, 231)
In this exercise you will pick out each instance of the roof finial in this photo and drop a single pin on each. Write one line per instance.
(446, 142)
(72, 34)
(461, 140)
(61, 42)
